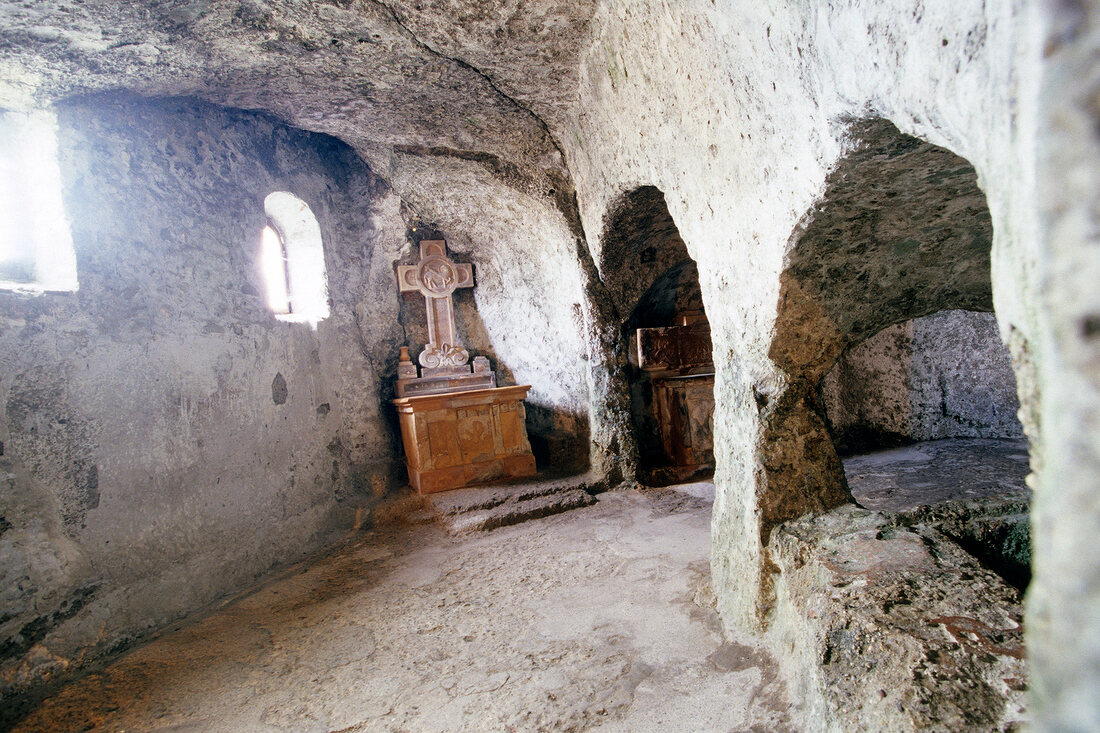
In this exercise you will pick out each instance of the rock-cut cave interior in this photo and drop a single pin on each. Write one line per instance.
(539, 365)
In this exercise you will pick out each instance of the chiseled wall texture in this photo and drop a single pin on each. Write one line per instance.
(737, 114)
(947, 375)
(165, 439)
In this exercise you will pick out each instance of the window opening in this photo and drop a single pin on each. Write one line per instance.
(36, 245)
(292, 261)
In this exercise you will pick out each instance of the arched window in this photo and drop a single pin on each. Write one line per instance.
(36, 245)
(293, 261)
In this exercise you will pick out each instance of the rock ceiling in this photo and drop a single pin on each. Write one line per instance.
(460, 78)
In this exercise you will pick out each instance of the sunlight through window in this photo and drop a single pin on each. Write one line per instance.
(273, 262)
(293, 261)
(36, 246)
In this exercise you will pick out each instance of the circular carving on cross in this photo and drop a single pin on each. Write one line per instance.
(437, 276)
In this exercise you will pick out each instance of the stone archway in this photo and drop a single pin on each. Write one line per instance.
(902, 231)
(672, 379)
(654, 285)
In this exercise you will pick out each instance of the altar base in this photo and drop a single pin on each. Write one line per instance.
(462, 438)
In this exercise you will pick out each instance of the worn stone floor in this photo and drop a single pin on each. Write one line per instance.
(938, 471)
(598, 618)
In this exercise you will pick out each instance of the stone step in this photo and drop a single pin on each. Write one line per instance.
(462, 511)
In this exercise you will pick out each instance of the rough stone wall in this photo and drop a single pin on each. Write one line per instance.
(866, 394)
(437, 98)
(738, 113)
(941, 376)
(887, 625)
(1064, 598)
(641, 245)
(165, 438)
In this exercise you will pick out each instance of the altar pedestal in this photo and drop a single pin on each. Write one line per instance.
(462, 438)
(675, 394)
(685, 410)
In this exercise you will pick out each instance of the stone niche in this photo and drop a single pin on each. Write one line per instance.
(653, 284)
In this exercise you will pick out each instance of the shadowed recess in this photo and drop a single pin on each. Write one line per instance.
(902, 231)
(642, 244)
(675, 291)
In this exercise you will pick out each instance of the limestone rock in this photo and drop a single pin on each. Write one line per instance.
(484, 508)
(887, 628)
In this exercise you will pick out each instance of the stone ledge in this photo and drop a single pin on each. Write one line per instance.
(996, 530)
(488, 507)
(887, 628)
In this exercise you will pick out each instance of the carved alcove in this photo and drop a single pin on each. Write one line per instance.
(887, 334)
(654, 285)
(672, 385)
(457, 426)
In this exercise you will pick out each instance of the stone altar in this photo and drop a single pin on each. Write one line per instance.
(676, 362)
(457, 427)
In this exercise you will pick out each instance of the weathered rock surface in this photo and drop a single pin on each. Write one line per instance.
(997, 531)
(489, 507)
(1064, 599)
(516, 128)
(359, 71)
(938, 471)
(940, 376)
(973, 491)
(151, 417)
(888, 628)
(902, 231)
(600, 618)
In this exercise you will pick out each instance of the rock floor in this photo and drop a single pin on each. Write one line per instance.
(937, 471)
(599, 618)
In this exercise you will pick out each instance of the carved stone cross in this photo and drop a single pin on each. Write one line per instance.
(436, 277)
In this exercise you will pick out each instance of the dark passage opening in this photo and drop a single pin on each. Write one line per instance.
(655, 286)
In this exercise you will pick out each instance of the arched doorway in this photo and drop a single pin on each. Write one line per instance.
(903, 232)
(654, 284)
